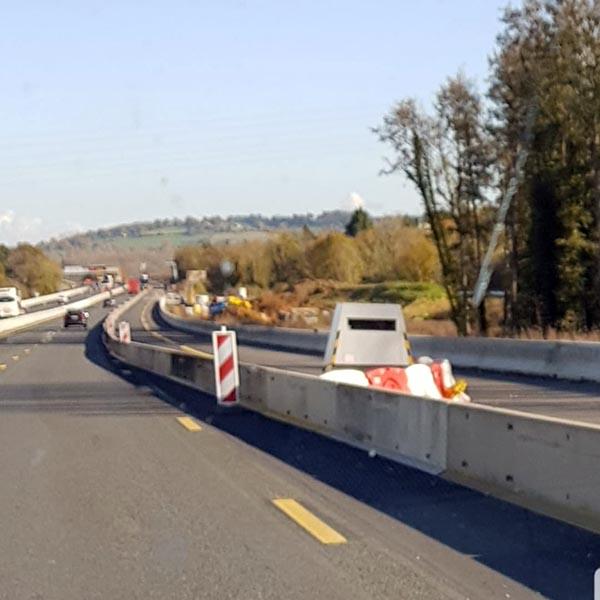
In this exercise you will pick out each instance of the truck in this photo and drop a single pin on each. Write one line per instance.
(133, 285)
(10, 302)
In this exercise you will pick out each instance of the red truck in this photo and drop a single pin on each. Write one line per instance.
(133, 285)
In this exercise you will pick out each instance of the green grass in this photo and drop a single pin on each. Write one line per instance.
(178, 238)
(397, 292)
(163, 231)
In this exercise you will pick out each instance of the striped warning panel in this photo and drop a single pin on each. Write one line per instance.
(226, 367)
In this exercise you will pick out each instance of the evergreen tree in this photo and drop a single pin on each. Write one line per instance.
(359, 221)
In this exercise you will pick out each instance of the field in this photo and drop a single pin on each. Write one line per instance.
(425, 305)
(176, 237)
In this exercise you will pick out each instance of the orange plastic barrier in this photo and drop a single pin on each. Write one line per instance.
(390, 378)
(444, 385)
(449, 387)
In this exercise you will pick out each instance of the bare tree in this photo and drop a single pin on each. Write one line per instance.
(447, 157)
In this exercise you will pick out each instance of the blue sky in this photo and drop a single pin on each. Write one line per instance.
(118, 111)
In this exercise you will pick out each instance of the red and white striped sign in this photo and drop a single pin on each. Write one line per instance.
(227, 379)
(124, 332)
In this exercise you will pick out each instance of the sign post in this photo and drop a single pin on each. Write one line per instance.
(485, 272)
(227, 378)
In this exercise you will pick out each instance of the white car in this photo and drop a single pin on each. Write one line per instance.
(9, 307)
(173, 298)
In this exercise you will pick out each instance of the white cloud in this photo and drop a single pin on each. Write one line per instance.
(356, 201)
(6, 218)
(17, 228)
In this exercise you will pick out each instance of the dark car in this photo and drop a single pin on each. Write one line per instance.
(77, 317)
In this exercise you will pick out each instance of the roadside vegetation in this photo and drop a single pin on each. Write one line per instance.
(388, 251)
(534, 129)
(175, 232)
(543, 105)
(297, 278)
(29, 269)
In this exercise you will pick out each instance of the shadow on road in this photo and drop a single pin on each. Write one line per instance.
(550, 557)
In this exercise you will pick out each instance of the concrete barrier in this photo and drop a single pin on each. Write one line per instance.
(560, 359)
(110, 322)
(296, 340)
(40, 300)
(407, 429)
(404, 428)
(550, 465)
(579, 361)
(166, 362)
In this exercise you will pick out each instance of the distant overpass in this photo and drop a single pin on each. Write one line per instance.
(80, 272)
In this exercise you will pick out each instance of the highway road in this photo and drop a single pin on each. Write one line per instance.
(53, 304)
(577, 401)
(106, 494)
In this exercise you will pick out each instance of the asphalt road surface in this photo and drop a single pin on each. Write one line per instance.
(577, 401)
(106, 495)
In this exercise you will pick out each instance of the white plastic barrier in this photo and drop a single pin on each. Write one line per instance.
(15, 324)
(39, 300)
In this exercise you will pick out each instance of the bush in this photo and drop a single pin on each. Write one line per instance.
(388, 251)
(398, 292)
(288, 259)
(335, 256)
(30, 267)
(393, 251)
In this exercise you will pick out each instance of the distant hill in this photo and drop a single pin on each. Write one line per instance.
(191, 230)
(154, 241)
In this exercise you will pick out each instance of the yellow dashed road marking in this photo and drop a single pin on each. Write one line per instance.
(27, 350)
(164, 338)
(309, 522)
(160, 336)
(189, 423)
(146, 325)
(2, 367)
(143, 318)
(195, 352)
(15, 357)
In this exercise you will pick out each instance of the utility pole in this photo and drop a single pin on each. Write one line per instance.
(485, 272)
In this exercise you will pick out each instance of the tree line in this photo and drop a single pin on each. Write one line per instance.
(387, 250)
(461, 156)
(93, 240)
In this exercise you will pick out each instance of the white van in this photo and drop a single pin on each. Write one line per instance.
(10, 302)
(107, 282)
